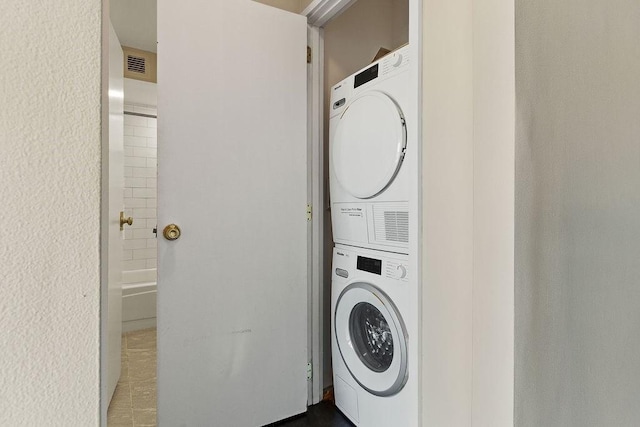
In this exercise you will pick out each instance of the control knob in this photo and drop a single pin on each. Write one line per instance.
(401, 271)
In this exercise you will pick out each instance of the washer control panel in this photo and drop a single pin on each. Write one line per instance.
(396, 270)
(348, 262)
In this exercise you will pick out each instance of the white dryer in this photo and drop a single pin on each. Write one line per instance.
(369, 179)
(374, 325)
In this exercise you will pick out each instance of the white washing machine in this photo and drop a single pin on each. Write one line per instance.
(368, 172)
(374, 321)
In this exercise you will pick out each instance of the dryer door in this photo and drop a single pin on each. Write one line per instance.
(369, 143)
(372, 339)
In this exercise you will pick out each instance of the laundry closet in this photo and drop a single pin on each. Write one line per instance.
(351, 42)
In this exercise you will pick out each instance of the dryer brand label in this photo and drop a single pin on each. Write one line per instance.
(358, 212)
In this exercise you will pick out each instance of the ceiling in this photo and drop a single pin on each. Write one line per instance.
(135, 23)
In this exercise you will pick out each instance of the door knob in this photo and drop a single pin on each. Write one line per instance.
(171, 232)
(124, 220)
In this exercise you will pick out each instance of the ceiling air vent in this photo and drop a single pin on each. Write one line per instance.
(139, 64)
(136, 64)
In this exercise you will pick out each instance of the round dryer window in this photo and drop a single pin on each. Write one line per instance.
(371, 339)
(368, 145)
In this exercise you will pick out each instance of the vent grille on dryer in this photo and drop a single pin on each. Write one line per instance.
(394, 227)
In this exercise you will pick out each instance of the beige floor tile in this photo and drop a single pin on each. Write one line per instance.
(142, 340)
(121, 397)
(142, 365)
(120, 412)
(137, 382)
(144, 417)
(115, 421)
(143, 395)
(124, 372)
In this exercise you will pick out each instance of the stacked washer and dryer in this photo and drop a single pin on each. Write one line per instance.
(374, 295)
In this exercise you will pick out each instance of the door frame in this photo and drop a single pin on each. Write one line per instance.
(315, 102)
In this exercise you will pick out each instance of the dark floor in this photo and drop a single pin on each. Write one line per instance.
(324, 414)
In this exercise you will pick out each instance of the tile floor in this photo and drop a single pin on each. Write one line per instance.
(134, 401)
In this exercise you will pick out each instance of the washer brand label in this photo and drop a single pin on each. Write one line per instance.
(340, 253)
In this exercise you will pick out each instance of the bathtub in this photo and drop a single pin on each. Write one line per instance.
(138, 299)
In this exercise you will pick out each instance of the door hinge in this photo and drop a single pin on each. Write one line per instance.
(309, 211)
(309, 371)
(308, 55)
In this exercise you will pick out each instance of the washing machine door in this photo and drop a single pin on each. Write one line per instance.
(369, 144)
(372, 339)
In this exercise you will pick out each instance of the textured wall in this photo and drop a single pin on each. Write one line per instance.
(578, 213)
(50, 134)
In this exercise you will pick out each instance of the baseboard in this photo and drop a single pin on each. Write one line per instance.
(135, 325)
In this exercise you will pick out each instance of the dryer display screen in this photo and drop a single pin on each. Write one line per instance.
(365, 76)
(370, 265)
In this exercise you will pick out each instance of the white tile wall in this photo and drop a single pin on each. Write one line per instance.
(140, 152)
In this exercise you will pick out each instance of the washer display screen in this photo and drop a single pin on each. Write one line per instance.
(370, 265)
(371, 336)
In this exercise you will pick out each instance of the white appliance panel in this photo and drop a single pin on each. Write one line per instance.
(381, 382)
(369, 148)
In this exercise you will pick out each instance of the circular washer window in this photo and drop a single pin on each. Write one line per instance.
(371, 339)
(368, 146)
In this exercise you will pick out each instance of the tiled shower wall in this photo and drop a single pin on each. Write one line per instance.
(140, 187)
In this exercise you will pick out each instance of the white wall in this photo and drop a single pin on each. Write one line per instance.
(137, 92)
(447, 216)
(578, 213)
(493, 211)
(294, 6)
(135, 23)
(140, 187)
(50, 140)
(468, 179)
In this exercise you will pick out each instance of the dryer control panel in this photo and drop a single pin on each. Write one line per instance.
(394, 61)
(389, 65)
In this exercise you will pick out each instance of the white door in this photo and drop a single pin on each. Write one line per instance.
(115, 205)
(232, 163)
